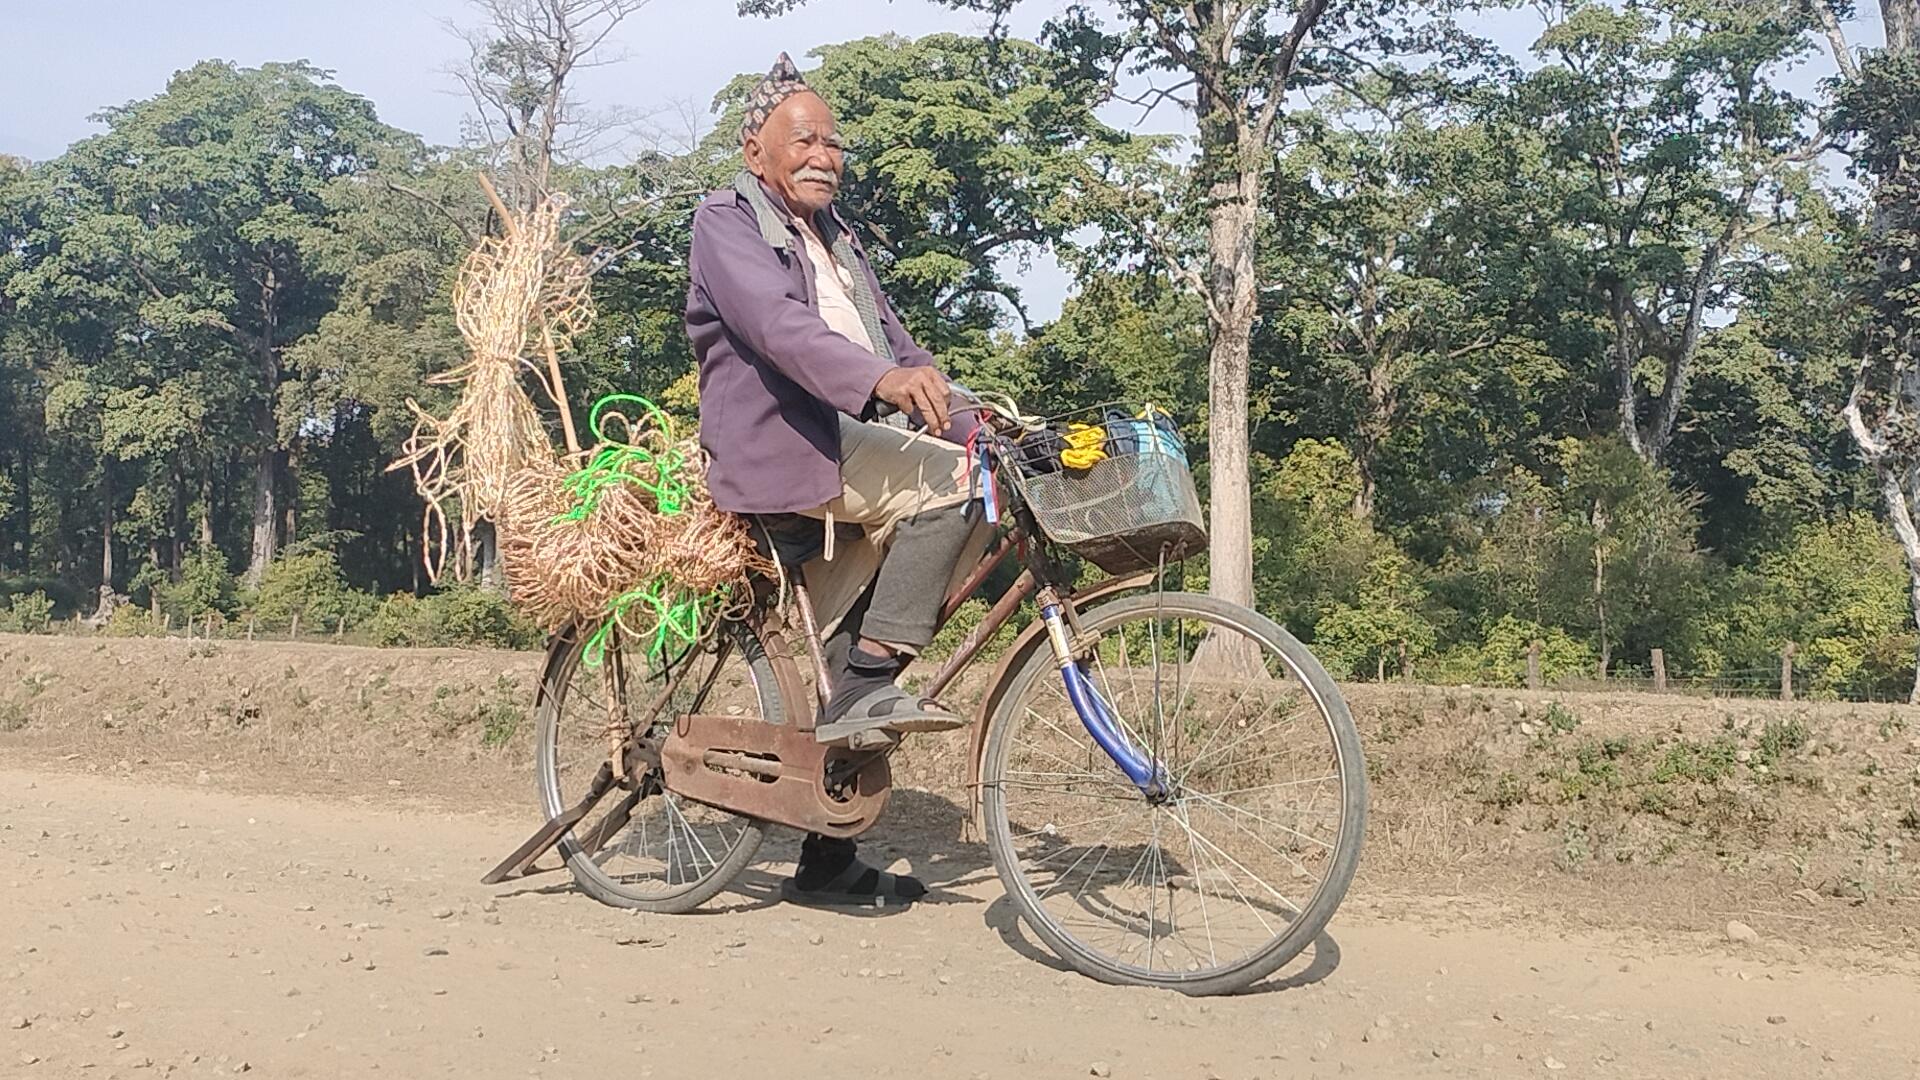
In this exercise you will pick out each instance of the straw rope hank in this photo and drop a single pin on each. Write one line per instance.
(631, 540)
(623, 537)
(514, 291)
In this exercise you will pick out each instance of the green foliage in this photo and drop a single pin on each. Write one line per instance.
(1838, 590)
(1503, 654)
(205, 585)
(308, 584)
(26, 613)
(130, 621)
(461, 615)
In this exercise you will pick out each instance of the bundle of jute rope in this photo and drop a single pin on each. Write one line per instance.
(622, 537)
(631, 540)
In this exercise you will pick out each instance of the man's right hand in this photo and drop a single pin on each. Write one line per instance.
(920, 390)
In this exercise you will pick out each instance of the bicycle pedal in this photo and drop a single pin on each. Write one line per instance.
(873, 739)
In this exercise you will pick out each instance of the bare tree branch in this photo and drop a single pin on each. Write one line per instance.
(1836, 40)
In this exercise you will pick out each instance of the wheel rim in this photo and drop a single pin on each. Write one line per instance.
(1238, 862)
(668, 846)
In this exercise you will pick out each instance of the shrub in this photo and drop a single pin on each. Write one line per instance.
(1503, 655)
(27, 613)
(66, 598)
(309, 584)
(130, 621)
(460, 615)
(477, 616)
(402, 620)
(205, 585)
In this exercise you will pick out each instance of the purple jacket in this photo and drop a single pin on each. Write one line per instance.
(773, 375)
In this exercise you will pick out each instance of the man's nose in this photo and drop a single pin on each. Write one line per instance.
(823, 157)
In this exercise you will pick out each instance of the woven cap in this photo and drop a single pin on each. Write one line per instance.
(779, 84)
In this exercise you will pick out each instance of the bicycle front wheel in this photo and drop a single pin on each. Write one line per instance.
(1231, 871)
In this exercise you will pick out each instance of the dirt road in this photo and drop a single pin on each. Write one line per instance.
(152, 929)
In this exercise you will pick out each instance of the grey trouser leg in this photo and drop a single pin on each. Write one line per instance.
(911, 585)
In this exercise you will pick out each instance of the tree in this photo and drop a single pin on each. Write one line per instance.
(521, 77)
(1676, 151)
(1763, 443)
(199, 212)
(1879, 112)
(1409, 262)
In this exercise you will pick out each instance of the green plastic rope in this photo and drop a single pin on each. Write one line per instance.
(617, 461)
(676, 615)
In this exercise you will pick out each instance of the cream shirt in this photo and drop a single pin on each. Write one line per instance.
(835, 285)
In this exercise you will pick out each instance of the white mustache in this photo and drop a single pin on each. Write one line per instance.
(808, 172)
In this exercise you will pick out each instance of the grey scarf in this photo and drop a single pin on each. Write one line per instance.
(773, 229)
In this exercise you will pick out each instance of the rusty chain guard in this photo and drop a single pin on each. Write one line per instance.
(772, 772)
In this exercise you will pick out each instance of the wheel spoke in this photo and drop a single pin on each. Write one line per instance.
(667, 850)
(1266, 822)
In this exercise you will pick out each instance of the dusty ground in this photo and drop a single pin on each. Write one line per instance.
(264, 858)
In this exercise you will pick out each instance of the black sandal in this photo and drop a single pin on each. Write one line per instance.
(859, 885)
(889, 708)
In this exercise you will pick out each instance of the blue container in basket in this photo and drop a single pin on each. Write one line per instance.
(1152, 432)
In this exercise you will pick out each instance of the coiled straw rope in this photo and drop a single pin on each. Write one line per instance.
(630, 539)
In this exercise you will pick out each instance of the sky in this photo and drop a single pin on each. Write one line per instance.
(67, 60)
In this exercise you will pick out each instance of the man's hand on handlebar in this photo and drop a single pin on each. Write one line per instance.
(918, 391)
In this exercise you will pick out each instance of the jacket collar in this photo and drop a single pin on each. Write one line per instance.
(828, 221)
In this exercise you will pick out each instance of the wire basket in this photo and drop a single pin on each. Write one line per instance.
(1131, 511)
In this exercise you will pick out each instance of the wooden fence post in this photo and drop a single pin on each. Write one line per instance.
(340, 630)
(1406, 666)
(166, 625)
(249, 626)
(293, 630)
(1659, 671)
(209, 634)
(1786, 672)
(1533, 665)
(1380, 668)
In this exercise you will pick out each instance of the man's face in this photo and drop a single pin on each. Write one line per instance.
(797, 152)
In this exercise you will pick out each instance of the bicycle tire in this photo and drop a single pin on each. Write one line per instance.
(1312, 918)
(563, 663)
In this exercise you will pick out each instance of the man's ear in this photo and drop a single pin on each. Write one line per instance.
(756, 154)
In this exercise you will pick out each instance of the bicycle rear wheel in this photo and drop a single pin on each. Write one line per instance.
(644, 847)
(1237, 868)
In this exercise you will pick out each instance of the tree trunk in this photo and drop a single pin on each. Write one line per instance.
(206, 508)
(267, 466)
(177, 522)
(24, 485)
(266, 516)
(289, 497)
(1900, 19)
(106, 532)
(1625, 354)
(1230, 257)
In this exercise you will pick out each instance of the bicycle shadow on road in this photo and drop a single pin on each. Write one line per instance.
(1003, 920)
(920, 826)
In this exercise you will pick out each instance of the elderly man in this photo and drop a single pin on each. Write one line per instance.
(800, 354)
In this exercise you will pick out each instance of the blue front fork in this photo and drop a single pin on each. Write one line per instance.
(1098, 716)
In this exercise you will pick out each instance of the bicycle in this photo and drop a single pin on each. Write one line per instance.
(1155, 818)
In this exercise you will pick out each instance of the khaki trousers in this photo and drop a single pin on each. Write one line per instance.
(888, 476)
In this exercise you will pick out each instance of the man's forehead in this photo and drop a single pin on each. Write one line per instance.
(803, 110)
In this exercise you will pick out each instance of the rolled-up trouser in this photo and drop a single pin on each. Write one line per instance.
(909, 495)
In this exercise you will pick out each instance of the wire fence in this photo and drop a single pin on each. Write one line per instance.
(1792, 678)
